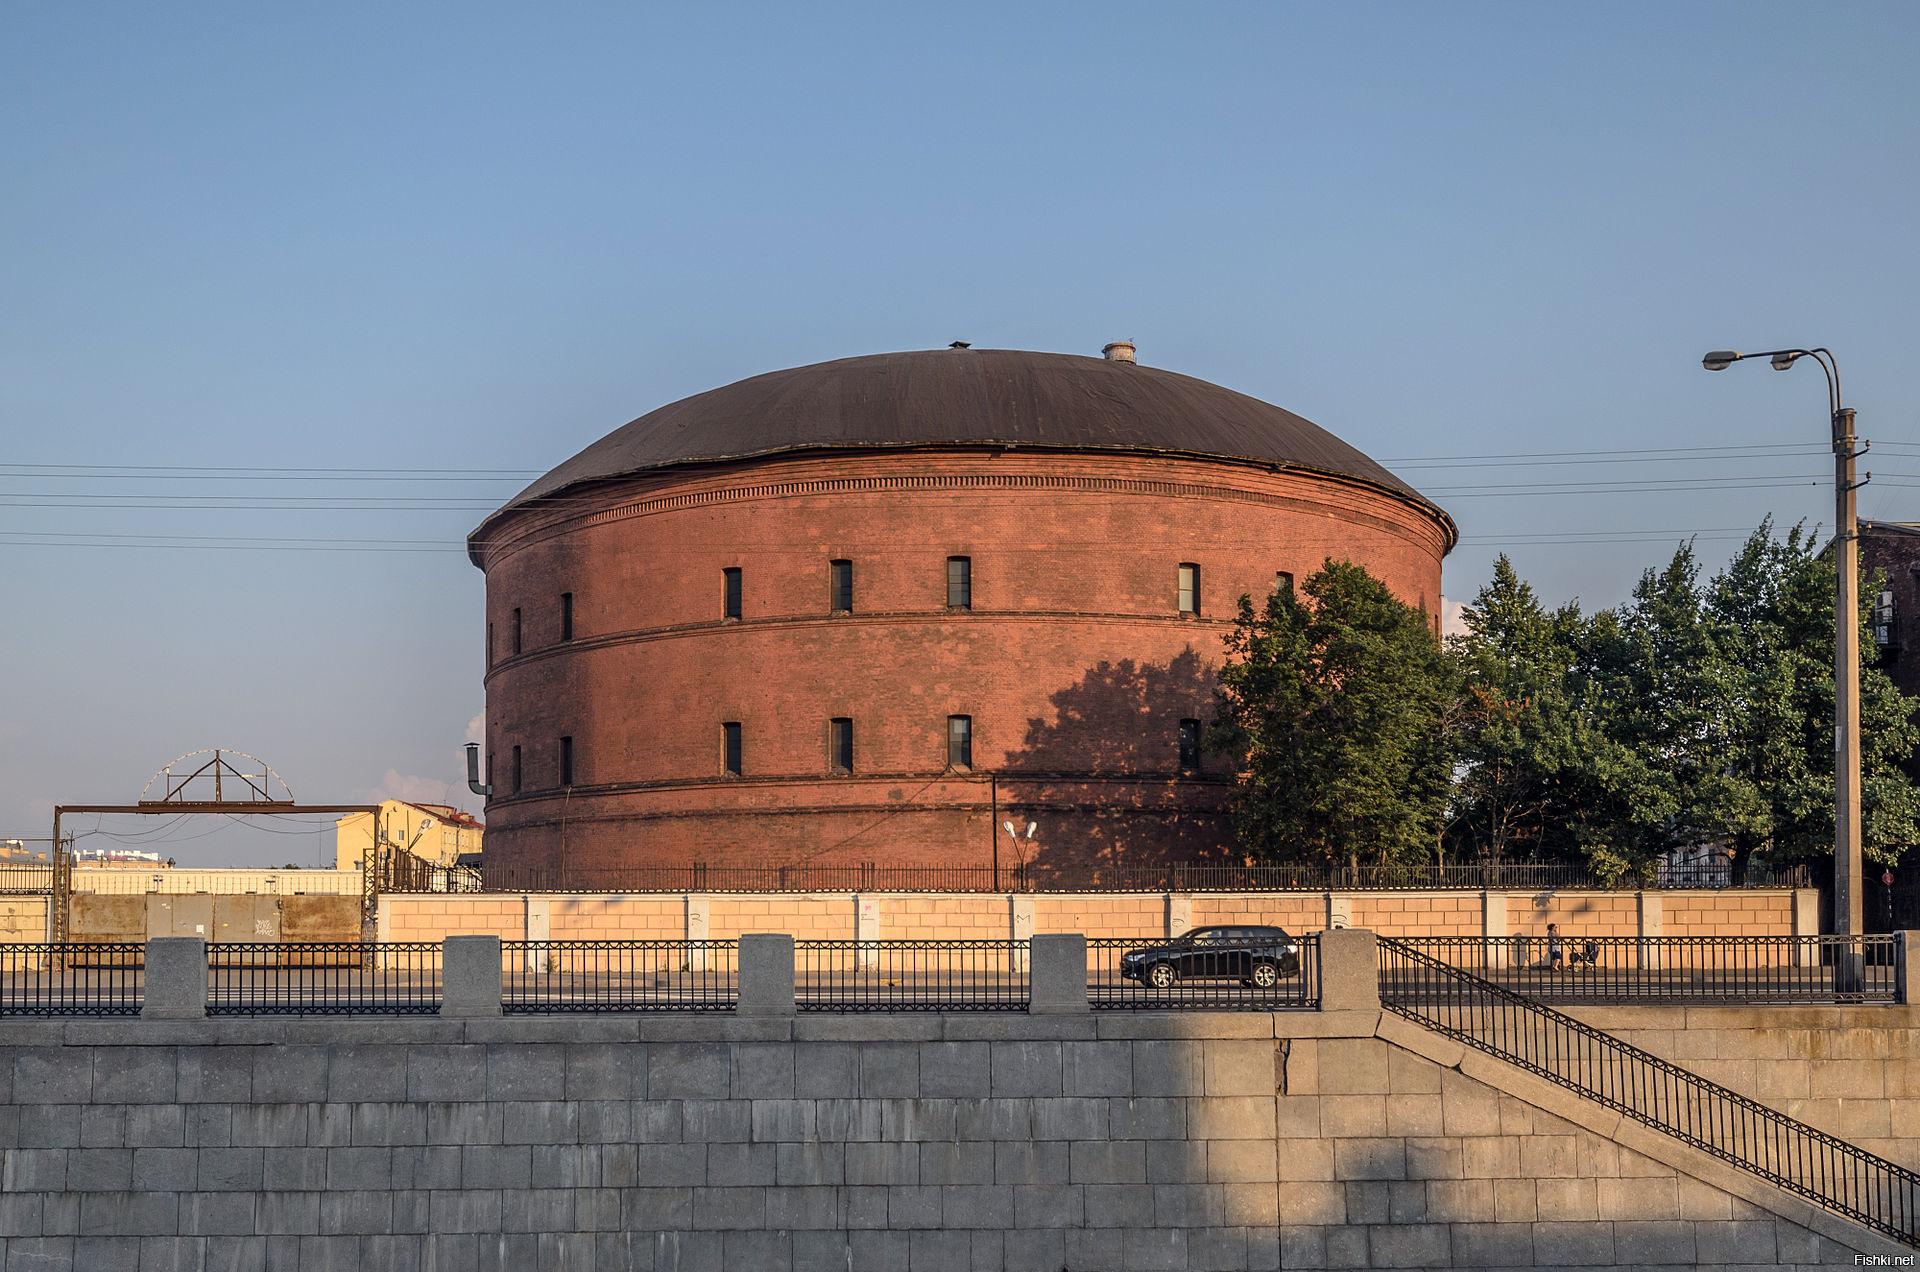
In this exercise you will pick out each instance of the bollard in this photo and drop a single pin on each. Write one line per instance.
(176, 979)
(1057, 979)
(470, 982)
(1349, 970)
(766, 975)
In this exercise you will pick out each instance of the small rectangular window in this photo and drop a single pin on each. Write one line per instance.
(960, 741)
(516, 629)
(732, 593)
(840, 587)
(1189, 745)
(959, 582)
(566, 761)
(489, 781)
(516, 770)
(840, 745)
(566, 616)
(730, 748)
(1283, 582)
(489, 644)
(1189, 598)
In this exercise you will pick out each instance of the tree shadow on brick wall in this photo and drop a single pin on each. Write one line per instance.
(1102, 775)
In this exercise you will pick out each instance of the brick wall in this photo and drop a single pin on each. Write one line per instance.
(1074, 662)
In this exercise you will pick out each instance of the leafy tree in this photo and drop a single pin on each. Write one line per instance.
(1331, 708)
(1538, 773)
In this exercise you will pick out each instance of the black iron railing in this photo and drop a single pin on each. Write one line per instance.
(346, 978)
(1032, 877)
(1191, 981)
(604, 976)
(854, 976)
(72, 979)
(1674, 969)
(1789, 1154)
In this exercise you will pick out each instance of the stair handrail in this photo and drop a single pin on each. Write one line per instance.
(1808, 1162)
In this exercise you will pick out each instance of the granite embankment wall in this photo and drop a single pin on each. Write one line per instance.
(1096, 1142)
(1853, 1072)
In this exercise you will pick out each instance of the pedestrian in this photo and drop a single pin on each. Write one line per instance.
(1555, 955)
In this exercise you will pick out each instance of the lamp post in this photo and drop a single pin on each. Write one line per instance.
(1848, 916)
(1020, 856)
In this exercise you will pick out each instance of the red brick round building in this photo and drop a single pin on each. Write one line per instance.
(834, 614)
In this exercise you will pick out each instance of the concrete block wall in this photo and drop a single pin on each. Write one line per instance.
(1129, 916)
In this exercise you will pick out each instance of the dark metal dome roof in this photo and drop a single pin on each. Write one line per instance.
(967, 397)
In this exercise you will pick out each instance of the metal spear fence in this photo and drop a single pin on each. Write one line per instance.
(618, 976)
(860, 976)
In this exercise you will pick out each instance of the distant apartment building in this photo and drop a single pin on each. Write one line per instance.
(437, 833)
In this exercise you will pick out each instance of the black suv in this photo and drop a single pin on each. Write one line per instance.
(1251, 955)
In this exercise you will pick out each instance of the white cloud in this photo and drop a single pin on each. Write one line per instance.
(1451, 622)
(411, 790)
(477, 728)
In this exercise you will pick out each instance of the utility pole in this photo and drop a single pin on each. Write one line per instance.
(1848, 905)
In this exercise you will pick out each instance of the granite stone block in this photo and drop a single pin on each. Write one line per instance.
(496, 1166)
(294, 1169)
(940, 1252)
(893, 1163)
(657, 1209)
(451, 1072)
(802, 1207)
(45, 1075)
(803, 1165)
(356, 1212)
(1026, 1069)
(689, 1071)
(710, 1121)
(966, 1162)
(536, 1210)
(911, 1206)
(740, 1165)
(955, 1070)
(164, 1169)
(729, 1209)
(763, 1071)
(363, 1073)
(35, 1170)
(289, 1074)
(99, 1169)
(519, 1072)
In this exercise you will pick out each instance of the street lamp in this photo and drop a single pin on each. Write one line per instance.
(1019, 855)
(1848, 918)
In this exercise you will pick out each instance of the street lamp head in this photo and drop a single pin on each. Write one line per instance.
(1031, 827)
(1720, 359)
(1784, 359)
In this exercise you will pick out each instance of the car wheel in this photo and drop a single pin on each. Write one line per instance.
(1265, 976)
(1162, 976)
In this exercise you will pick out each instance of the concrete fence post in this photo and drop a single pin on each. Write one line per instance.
(470, 981)
(766, 975)
(1652, 925)
(1906, 966)
(1493, 928)
(1349, 970)
(176, 980)
(1057, 979)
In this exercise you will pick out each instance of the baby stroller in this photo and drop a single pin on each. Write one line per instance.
(1588, 953)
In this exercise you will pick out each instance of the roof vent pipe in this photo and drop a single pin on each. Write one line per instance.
(1118, 351)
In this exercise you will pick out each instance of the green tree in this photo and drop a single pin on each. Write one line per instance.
(1538, 774)
(1331, 707)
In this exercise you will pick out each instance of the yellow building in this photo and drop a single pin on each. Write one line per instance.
(437, 833)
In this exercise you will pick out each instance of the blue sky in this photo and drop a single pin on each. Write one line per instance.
(417, 242)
